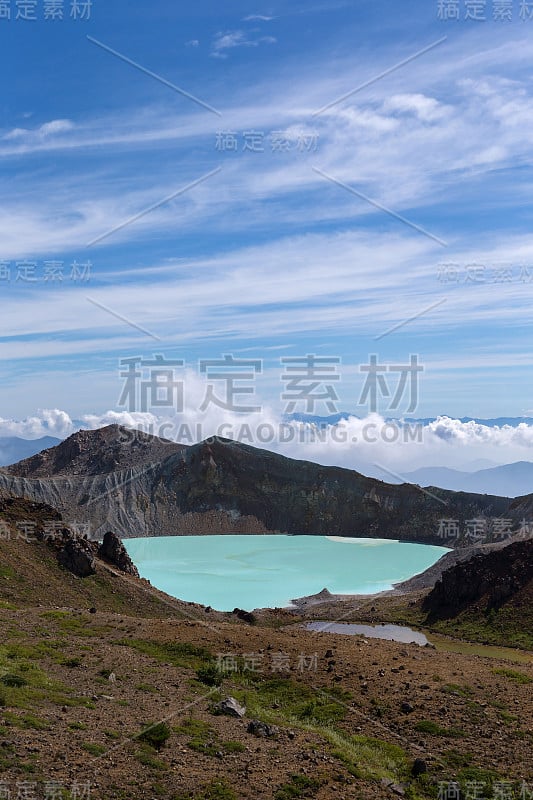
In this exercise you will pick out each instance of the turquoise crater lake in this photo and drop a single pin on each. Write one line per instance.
(250, 572)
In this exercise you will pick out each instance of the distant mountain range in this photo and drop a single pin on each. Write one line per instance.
(509, 480)
(334, 419)
(496, 422)
(480, 477)
(13, 448)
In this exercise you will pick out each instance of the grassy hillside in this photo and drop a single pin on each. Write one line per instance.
(31, 576)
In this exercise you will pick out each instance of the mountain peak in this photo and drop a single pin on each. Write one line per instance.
(96, 452)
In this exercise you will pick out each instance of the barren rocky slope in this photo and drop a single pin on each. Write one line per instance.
(490, 596)
(109, 689)
(146, 487)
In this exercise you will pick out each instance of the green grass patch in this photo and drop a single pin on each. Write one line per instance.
(457, 758)
(506, 627)
(204, 739)
(371, 759)
(298, 786)
(216, 790)
(70, 662)
(72, 701)
(105, 673)
(77, 627)
(26, 721)
(193, 727)
(147, 756)
(455, 688)
(513, 675)
(94, 749)
(7, 573)
(179, 654)
(484, 778)
(506, 717)
(287, 701)
(13, 681)
(433, 728)
(230, 746)
(155, 735)
(55, 614)
(23, 683)
(210, 675)
(68, 623)
(446, 645)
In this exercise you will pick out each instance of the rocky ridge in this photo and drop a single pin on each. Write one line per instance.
(486, 582)
(108, 479)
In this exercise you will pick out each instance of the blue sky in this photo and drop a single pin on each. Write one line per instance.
(405, 206)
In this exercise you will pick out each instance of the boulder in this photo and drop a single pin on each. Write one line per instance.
(230, 707)
(77, 557)
(246, 616)
(419, 767)
(261, 729)
(113, 551)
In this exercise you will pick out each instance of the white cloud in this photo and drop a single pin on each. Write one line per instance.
(257, 18)
(56, 126)
(45, 130)
(383, 140)
(379, 141)
(425, 108)
(361, 444)
(383, 143)
(324, 284)
(47, 422)
(228, 41)
(253, 278)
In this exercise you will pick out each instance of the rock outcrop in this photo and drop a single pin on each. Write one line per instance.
(113, 551)
(75, 552)
(77, 556)
(483, 583)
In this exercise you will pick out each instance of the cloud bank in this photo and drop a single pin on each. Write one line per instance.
(371, 445)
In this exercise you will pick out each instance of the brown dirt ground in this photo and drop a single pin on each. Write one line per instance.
(71, 723)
